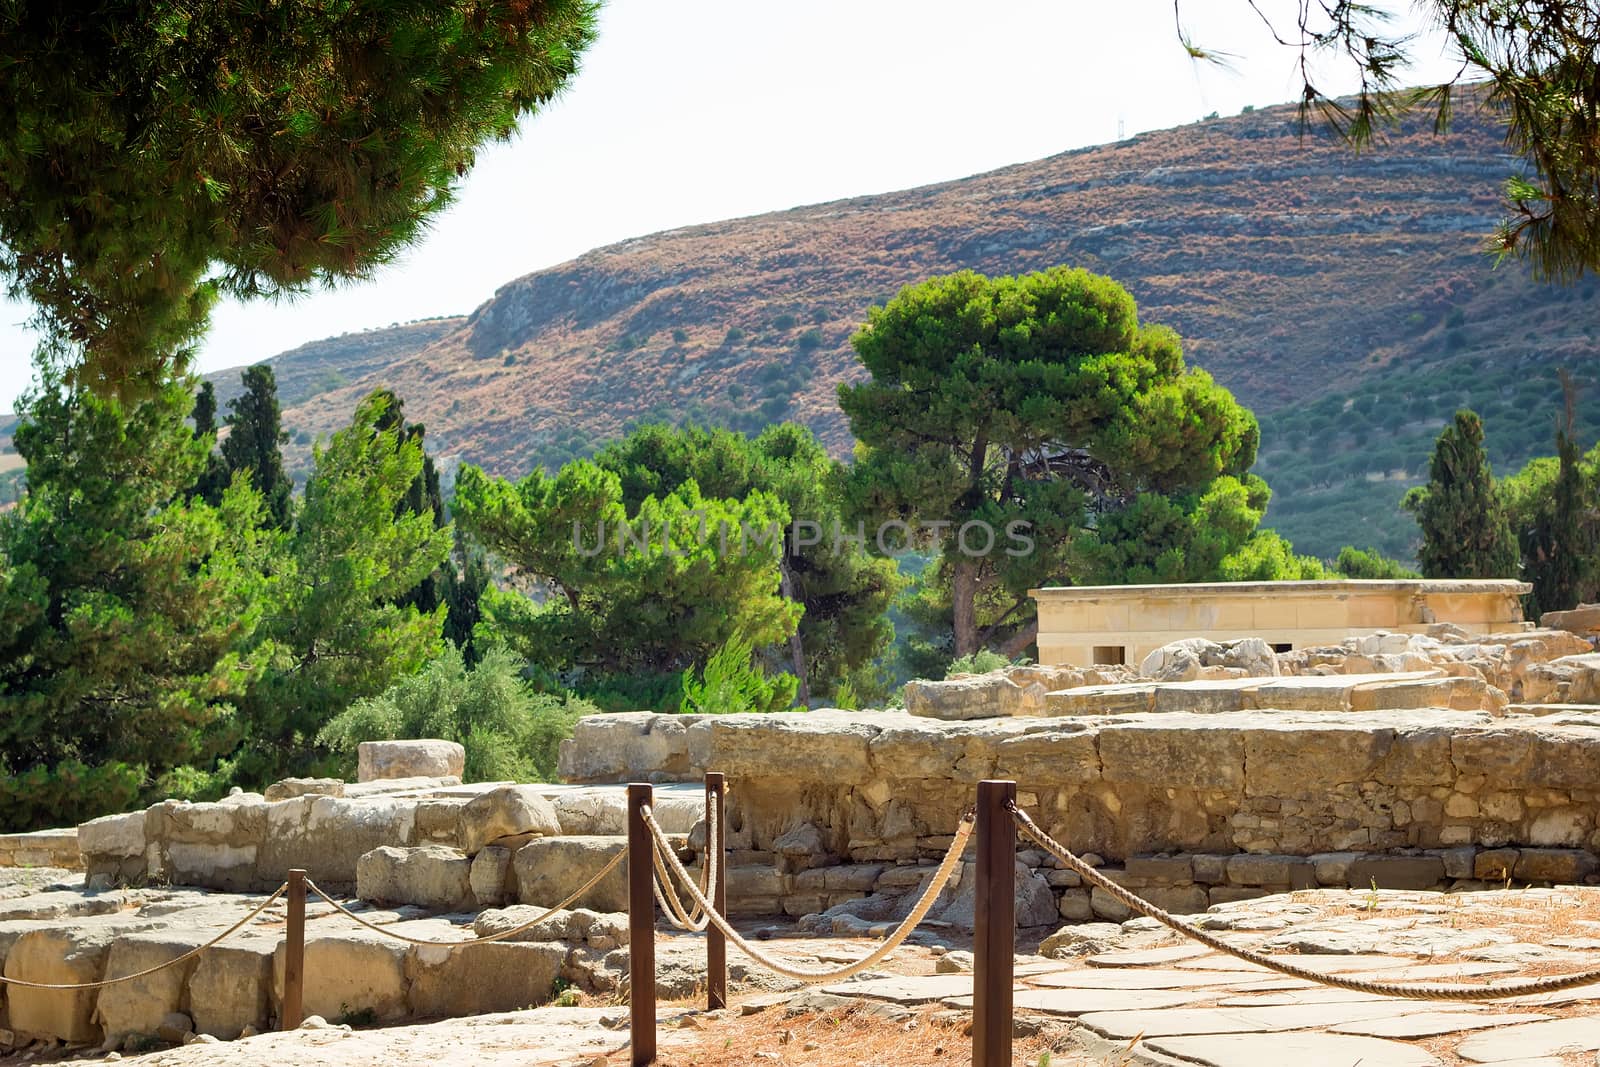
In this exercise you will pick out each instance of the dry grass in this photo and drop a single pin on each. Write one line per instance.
(855, 1037)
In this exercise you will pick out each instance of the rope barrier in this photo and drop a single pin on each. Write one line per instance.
(690, 920)
(1406, 990)
(924, 904)
(501, 936)
(265, 904)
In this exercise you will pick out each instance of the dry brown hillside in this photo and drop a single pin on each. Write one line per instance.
(1344, 297)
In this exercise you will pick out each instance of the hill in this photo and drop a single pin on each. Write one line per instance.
(1345, 298)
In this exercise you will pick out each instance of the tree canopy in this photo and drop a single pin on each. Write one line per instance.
(1465, 532)
(155, 155)
(1004, 410)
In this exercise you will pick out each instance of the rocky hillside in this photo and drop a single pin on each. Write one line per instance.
(1345, 298)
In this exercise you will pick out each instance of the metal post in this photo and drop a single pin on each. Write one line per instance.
(994, 940)
(294, 954)
(716, 941)
(641, 930)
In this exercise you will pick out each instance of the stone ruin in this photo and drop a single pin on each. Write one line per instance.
(1210, 773)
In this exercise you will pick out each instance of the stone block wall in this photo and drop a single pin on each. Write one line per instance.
(1197, 808)
(42, 848)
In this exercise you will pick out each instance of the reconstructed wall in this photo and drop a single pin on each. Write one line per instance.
(42, 848)
(1202, 807)
(1080, 625)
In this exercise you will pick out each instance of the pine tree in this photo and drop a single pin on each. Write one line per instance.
(214, 478)
(1465, 531)
(255, 440)
(157, 155)
(336, 630)
(126, 605)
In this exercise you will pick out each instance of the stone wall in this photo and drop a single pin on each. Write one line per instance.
(42, 848)
(832, 802)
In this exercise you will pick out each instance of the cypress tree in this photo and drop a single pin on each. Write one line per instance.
(1465, 531)
(215, 477)
(255, 441)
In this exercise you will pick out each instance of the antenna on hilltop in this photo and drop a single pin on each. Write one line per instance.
(1121, 127)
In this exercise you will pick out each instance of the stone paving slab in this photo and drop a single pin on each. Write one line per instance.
(1124, 1024)
(1432, 1024)
(1321, 963)
(1149, 957)
(906, 989)
(1533, 1039)
(1301, 1050)
(1138, 978)
(1081, 1001)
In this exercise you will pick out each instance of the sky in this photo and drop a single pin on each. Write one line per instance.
(701, 110)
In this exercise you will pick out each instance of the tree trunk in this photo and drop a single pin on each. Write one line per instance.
(797, 650)
(963, 598)
(1012, 646)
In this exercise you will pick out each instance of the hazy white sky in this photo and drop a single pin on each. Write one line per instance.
(700, 110)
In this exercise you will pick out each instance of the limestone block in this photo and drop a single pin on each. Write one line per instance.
(428, 758)
(1184, 754)
(140, 1005)
(1115, 699)
(429, 876)
(625, 747)
(1252, 655)
(548, 869)
(231, 987)
(1494, 864)
(1161, 870)
(1556, 827)
(1583, 620)
(1074, 907)
(823, 746)
(1458, 862)
(1180, 661)
(213, 865)
(1035, 904)
(327, 835)
(1554, 865)
(1297, 759)
(1396, 872)
(57, 956)
(1271, 870)
(492, 879)
(350, 973)
(301, 787)
(1333, 868)
(506, 812)
(438, 820)
(972, 696)
(119, 836)
(1050, 756)
(1212, 870)
(499, 976)
(1105, 906)
(801, 847)
(1178, 899)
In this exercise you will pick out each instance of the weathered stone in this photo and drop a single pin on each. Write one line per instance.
(506, 812)
(1583, 620)
(492, 879)
(231, 987)
(1255, 870)
(824, 746)
(1180, 661)
(498, 976)
(139, 1006)
(289, 788)
(429, 876)
(1168, 870)
(1396, 872)
(1554, 865)
(326, 836)
(58, 957)
(113, 835)
(626, 747)
(548, 869)
(1188, 753)
(358, 973)
(428, 758)
(973, 696)
(1495, 864)
(1106, 906)
(1034, 904)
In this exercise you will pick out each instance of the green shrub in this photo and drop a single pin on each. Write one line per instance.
(980, 662)
(733, 336)
(784, 322)
(67, 793)
(732, 683)
(810, 340)
(1370, 563)
(510, 731)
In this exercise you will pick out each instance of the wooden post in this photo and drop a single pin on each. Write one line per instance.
(994, 940)
(716, 941)
(294, 954)
(641, 930)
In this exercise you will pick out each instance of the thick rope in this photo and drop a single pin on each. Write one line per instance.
(265, 904)
(690, 920)
(1407, 990)
(621, 855)
(941, 875)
